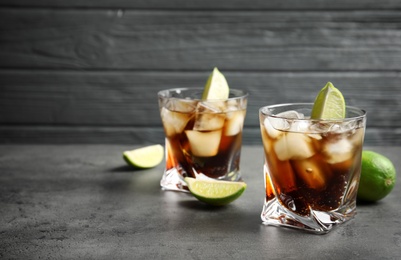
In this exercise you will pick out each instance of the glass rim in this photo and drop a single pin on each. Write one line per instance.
(362, 112)
(239, 94)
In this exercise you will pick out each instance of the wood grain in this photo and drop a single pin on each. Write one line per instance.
(147, 135)
(99, 100)
(199, 40)
(89, 71)
(211, 4)
(130, 98)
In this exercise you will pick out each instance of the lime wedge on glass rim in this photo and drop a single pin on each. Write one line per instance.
(215, 192)
(216, 86)
(145, 157)
(329, 104)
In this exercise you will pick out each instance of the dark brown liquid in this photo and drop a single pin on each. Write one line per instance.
(313, 183)
(218, 166)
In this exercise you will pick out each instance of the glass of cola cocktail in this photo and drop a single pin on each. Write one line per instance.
(312, 166)
(203, 137)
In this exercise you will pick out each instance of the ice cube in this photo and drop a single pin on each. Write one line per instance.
(269, 124)
(294, 146)
(320, 127)
(267, 144)
(204, 144)
(300, 126)
(336, 128)
(291, 114)
(179, 105)
(315, 136)
(234, 122)
(356, 136)
(215, 106)
(312, 171)
(232, 105)
(338, 151)
(209, 122)
(174, 122)
(209, 116)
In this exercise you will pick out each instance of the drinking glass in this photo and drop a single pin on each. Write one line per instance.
(312, 166)
(202, 137)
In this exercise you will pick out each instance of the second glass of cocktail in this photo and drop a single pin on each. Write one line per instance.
(312, 166)
(203, 137)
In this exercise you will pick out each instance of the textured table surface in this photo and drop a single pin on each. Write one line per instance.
(82, 201)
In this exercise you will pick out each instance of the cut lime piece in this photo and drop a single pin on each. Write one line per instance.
(329, 104)
(145, 157)
(215, 192)
(216, 86)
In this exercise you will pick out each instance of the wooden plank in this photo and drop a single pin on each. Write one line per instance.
(147, 135)
(199, 40)
(79, 134)
(89, 98)
(211, 4)
(89, 71)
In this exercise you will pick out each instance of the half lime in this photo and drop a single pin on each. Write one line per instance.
(215, 192)
(145, 157)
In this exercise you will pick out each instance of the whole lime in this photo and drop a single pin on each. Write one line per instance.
(378, 177)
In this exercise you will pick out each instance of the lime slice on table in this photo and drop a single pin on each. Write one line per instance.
(329, 104)
(216, 86)
(378, 177)
(215, 192)
(145, 157)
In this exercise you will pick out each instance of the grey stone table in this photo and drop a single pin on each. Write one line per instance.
(83, 202)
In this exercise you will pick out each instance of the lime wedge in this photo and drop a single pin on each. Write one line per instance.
(145, 157)
(329, 104)
(216, 86)
(214, 192)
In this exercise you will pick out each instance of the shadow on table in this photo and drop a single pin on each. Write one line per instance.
(186, 201)
(125, 168)
(366, 203)
(197, 205)
(126, 178)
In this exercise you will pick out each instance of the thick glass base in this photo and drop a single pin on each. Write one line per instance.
(275, 214)
(173, 180)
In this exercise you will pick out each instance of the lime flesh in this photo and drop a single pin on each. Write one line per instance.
(216, 86)
(215, 192)
(145, 157)
(329, 104)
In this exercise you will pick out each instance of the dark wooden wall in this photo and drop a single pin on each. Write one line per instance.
(88, 71)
